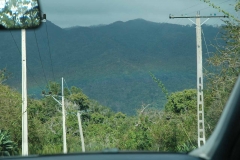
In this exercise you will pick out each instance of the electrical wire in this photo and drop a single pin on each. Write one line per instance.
(27, 66)
(67, 86)
(205, 43)
(49, 51)
(40, 58)
(189, 7)
(210, 6)
(195, 6)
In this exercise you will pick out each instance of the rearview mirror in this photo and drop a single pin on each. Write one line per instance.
(17, 14)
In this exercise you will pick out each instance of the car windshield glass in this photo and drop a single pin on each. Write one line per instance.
(127, 75)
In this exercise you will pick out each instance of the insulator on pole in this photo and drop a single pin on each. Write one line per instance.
(44, 17)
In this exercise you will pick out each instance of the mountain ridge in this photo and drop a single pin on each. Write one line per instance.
(111, 63)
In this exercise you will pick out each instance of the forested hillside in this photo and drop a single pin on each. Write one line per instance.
(110, 63)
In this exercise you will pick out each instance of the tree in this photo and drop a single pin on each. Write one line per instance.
(4, 75)
(54, 88)
(175, 128)
(10, 117)
(7, 146)
(224, 68)
(181, 102)
(77, 97)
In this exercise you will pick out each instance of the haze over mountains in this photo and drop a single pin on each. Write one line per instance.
(111, 63)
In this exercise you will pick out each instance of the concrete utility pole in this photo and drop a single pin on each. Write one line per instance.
(200, 102)
(24, 97)
(63, 109)
(63, 115)
(64, 123)
(63, 119)
(80, 130)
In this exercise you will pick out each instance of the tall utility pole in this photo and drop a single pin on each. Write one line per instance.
(24, 97)
(64, 123)
(200, 102)
(63, 115)
(80, 130)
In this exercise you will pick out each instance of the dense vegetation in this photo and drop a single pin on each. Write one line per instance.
(171, 129)
(149, 129)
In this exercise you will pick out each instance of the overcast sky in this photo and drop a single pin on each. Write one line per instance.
(68, 13)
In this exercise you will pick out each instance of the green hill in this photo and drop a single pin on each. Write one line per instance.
(111, 63)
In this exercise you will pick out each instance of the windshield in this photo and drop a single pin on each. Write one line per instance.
(121, 75)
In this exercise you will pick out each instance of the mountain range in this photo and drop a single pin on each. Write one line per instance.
(110, 63)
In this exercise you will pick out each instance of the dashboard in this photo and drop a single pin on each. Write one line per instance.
(112, 156)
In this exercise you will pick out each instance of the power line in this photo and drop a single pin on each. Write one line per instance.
(50, 51)
(205, 43)
(67, 86)
(189, 7)
(40, 58)
(27, 66)
(209, 6)
(15, 42)
(167, 19)
(186, 9)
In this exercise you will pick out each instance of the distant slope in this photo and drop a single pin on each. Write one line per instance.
(111, 63)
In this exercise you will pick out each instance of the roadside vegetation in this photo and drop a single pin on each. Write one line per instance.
(172, 129)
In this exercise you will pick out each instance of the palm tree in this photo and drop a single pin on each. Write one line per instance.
(7, 147)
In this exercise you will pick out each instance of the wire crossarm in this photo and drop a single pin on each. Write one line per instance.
(198, 16)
